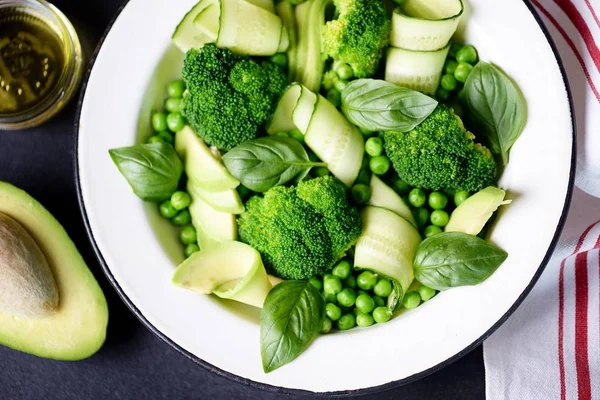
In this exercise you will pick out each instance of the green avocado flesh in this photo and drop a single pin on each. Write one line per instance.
(77, 328)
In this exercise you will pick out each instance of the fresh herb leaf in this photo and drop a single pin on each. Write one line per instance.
(152, 170)
(495, 108)
(378, 105)
(262, 163)
(291, 318)
(452, 259)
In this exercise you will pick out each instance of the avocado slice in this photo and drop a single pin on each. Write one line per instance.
(76, 329)
(201, 166)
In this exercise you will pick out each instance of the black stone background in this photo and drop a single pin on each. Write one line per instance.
(135, 364)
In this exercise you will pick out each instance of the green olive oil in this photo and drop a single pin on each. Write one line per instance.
(31, 60)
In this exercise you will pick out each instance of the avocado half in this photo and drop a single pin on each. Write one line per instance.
(77, 329)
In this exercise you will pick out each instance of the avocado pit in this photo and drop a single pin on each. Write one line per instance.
(27, 286)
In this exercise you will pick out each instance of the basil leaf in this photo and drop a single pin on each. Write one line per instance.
(262, 163)
(495, 108)
(152, 170)
(452, 259)
(291, 318)
(378, 105)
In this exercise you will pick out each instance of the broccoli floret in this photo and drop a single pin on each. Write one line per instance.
(301, 231)
(228, 95)
(359, 34)
(440, 154)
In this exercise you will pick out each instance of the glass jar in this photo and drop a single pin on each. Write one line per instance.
(41, 62)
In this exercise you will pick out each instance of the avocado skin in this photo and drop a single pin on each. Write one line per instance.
(77, 329)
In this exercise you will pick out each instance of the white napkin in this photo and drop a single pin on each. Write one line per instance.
(550, 347)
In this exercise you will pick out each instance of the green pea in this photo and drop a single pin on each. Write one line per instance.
(364, 320)
(167, 210)
(282, 134)
(166, 136)
(462, 72)
(191, 249)
(411, 299)
(417, 197)
(317, 172)
(330, 298)
(426, 292)
(364, 176)
(401, 187)
(431, 230)
(332, 284)
(366, 280)
(346, 297)
(350, 282)
(442, 94)
(173, 105)
(342, 269)
(340, 85)
(280, 59)
(467, 54)
(379, 301)
(244, 192)
(365, 304)
(297, 135)
(460, 197)
(421, 215)
(326, 327)
(345, 72)
(332, 311)
(334, 97)
(159, 122)
(382, 315)
(374, 146)
(188, 235)
(155, 139)
(183, 217)
(450, 66)
(361, 193)
(365, 132)
(175, 89)
(383, 287)
(346, 321)
(449, 82)
(437, 200)
(454, 49)
(379, 165)
(180, 200)
(316, 282)
(175, 122)
(439, 218)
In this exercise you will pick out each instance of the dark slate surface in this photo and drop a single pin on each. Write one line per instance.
(134, 364)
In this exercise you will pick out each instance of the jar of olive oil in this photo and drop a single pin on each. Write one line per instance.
(40, 62)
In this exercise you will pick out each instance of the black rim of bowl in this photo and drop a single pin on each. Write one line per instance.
(282, 390)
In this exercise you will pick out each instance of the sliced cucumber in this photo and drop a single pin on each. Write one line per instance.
(212, 226)
(231, 270)
(282, 121)
(310, 19)
(286, 12)
(417, 70)
(198, 27)
(387, 245)
(264, 4)
(304, 110)
(227, 201)
(425, 25)
(200, 164)
(384, 196)
(249, 29)
(333, 139)
(472, 215)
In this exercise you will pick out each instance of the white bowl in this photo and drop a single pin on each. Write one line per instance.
(139, 251)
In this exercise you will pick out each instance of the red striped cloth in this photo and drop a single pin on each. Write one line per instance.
(550, 347)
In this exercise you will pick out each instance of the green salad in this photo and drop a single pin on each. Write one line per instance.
(333, 162)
